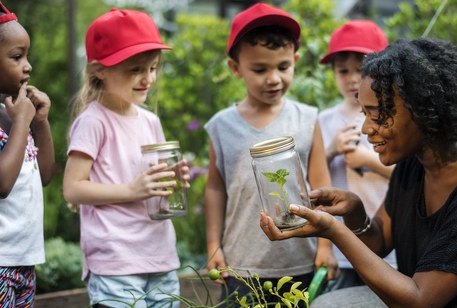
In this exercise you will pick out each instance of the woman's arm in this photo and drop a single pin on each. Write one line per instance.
(424, 289)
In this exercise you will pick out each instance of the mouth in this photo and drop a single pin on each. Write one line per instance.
(272, 92)
(26, 79)
(378, 145)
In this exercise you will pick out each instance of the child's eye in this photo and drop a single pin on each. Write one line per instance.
(259, 71)
(17, 57)
(284, 68)
(152, 69)
(343, 71)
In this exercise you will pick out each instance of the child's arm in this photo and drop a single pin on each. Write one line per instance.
(42, 133)
(21, 112)
(215, 203)
(363, 157)
(77, 188)
(319, 176)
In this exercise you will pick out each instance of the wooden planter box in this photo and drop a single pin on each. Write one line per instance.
(78, 298)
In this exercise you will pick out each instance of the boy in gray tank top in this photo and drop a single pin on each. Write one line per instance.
(262, 51)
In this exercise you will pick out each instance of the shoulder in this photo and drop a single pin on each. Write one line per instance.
(222, 115)
(302, 107)
(328, 113)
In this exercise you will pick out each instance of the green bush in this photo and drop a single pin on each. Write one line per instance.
(63, 267)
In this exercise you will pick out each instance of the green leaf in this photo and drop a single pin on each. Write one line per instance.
(295, 285)
(282, 172)
(278, 305)
(242, 301)
(283, 280)
(299, 294)
(275, 194)
(285, 301)
(281, 181)
(272, 177)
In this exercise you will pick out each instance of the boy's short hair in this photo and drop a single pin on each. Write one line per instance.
(362, 36)
(271, 37)
(263, 15)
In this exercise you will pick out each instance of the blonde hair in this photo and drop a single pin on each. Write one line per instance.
(91, 90)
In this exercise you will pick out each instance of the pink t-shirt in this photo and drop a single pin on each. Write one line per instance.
(120, 239)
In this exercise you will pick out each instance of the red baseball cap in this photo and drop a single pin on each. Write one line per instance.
(260, 14)
(120, 34)
(7, 16)
(362, 36)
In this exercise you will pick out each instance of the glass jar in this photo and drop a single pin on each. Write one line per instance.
(279, 177)
(174, 205)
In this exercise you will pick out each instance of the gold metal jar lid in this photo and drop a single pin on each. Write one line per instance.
(165, 146)
(272, 146)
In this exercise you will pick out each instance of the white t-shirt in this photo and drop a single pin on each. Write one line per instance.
(21, 215)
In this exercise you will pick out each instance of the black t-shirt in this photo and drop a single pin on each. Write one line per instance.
(422, 243)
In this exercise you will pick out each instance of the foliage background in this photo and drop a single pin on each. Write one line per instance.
(195, 83)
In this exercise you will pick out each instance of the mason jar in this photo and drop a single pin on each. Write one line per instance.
(279, 177)
(174, 205)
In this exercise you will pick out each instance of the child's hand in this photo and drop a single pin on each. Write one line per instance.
(346, 139)
(147, 183)
(41, 102)
(21, 107)
(185, 177)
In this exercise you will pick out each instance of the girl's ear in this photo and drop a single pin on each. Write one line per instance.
(296, 57)
(234, 67)
(100, 72)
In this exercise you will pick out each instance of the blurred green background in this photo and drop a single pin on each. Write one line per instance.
(195, 83)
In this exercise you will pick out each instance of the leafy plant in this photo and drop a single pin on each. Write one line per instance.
(291, 298)
(63, 267)
(278, 177)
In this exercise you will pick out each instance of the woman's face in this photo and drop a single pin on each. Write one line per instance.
(395, 140)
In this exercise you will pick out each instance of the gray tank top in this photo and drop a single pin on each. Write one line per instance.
(244, 244)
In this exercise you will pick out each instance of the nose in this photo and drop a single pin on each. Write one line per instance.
(149, 77)
(27, 67)
(369, 127)
(273, 78)
(356, 77)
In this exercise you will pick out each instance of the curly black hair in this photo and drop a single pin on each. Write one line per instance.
(270, 36)
(423, 72)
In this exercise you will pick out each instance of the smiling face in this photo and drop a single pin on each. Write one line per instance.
(267, 73)
(14, 66)
(129, 81)
(399, 137)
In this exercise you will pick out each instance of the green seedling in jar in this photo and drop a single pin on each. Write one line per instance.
(178, 186)
(278, 177)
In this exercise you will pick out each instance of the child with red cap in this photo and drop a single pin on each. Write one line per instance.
(26, 165)
(353, 163)
(126, 254)
(262, 50)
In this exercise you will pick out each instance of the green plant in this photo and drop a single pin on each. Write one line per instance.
(290, 299)
(63, 267)
(278, 177)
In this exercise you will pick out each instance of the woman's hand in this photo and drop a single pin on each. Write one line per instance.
(319, 224)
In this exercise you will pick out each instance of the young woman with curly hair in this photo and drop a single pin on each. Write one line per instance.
(408, 94)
